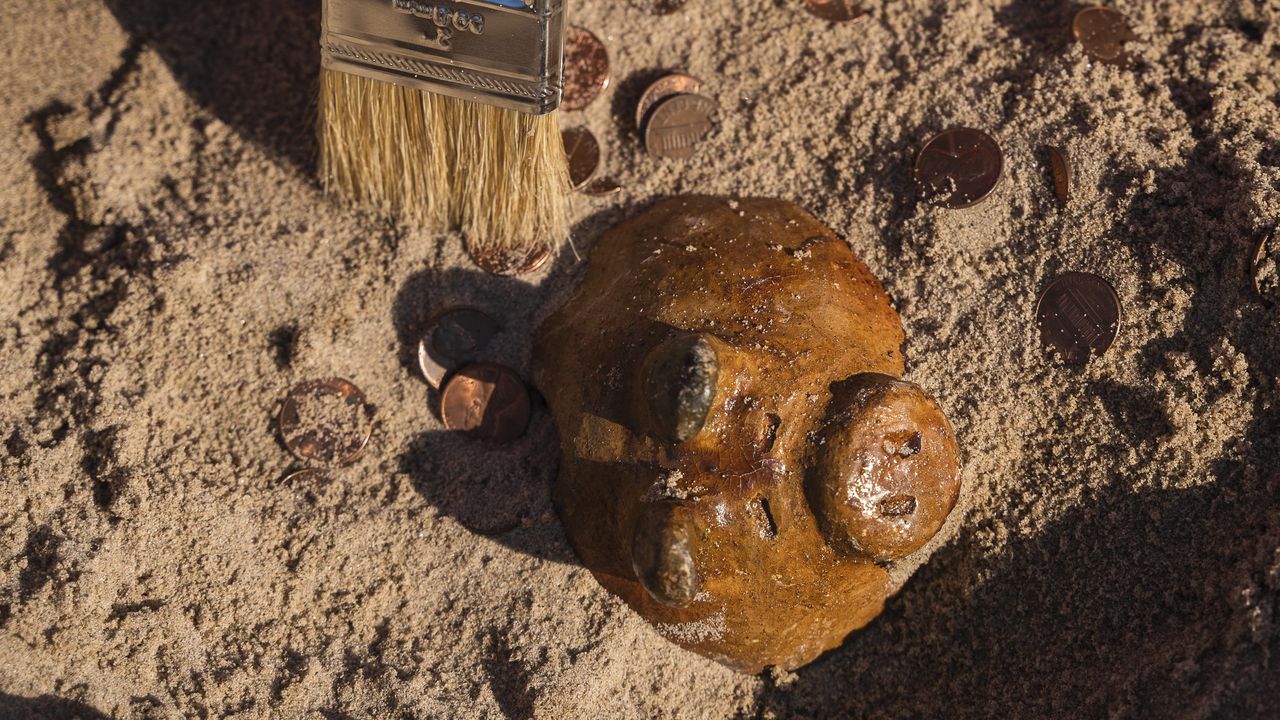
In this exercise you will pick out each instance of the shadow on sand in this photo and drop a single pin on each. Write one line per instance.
(254, 64)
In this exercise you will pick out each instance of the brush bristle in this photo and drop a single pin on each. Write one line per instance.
(501, 176)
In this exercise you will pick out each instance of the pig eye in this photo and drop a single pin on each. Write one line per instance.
(662, 554)
(680, 384)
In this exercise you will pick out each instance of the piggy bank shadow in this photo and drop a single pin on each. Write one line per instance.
(499, 491)
(52, 707)
(254, 64)
(1122, 602)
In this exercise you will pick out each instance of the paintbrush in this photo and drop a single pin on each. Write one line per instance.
(444, 112)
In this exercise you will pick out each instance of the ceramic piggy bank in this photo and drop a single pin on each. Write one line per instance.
(739, 458)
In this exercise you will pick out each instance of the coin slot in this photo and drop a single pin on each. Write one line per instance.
(763, 515)
(770, 434)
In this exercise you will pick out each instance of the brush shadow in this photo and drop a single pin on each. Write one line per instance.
(626, 98)
(254, 64)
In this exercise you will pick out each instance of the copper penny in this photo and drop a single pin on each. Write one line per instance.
(960, 167)
(677, 124)
(834, 10)
(507, 261)
(454, 338)
(1102, 33)
(1266, 268)
(584, 155)
(658, 7)
(1079, 316)
(586, 68)
(1060, 168)
(602, 187)
(487, 401)
(306, 475)
(663, 88)
(327, 421)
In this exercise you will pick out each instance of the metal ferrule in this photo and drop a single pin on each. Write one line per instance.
(498, 52)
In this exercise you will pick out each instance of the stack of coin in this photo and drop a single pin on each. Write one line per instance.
(673, 118)
(483, 399)
(486, 401)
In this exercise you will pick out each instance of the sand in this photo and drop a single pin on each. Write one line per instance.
(169, 269)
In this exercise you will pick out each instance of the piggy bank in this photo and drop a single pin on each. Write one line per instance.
(739, 458)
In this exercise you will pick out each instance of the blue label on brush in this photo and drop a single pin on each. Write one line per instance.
(504, 3)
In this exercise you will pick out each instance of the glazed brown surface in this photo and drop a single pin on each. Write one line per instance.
(687, 377)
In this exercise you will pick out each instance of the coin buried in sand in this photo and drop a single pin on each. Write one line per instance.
(507, 261)
(602, 188)
(960, 167)
(327, 421)
(586, 68)
(1266, 268)
(487, 401)
(663, 88)
(584, 155)
(658, 7)
(834, 10)
(677, 124)
(1079, 316)
(1102, 33)
(1060, 167)
(306, 475)
(454, 338)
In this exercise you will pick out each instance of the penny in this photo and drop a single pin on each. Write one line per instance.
(586, 68)
(658, 7)
(1266, 268)
(663, 88)
(584, 155)
(602, 187)
(507, 261)
(454, 338)
(960, 167)
(487, 401)
(1060, 167)
(834, 10)
(1079, 316)
(327, 421)
(1102, 33)
(677, 124)
(306, 475)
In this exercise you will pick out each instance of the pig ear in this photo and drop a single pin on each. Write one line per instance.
(662, 554)
(679, 385)
(885, 471)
